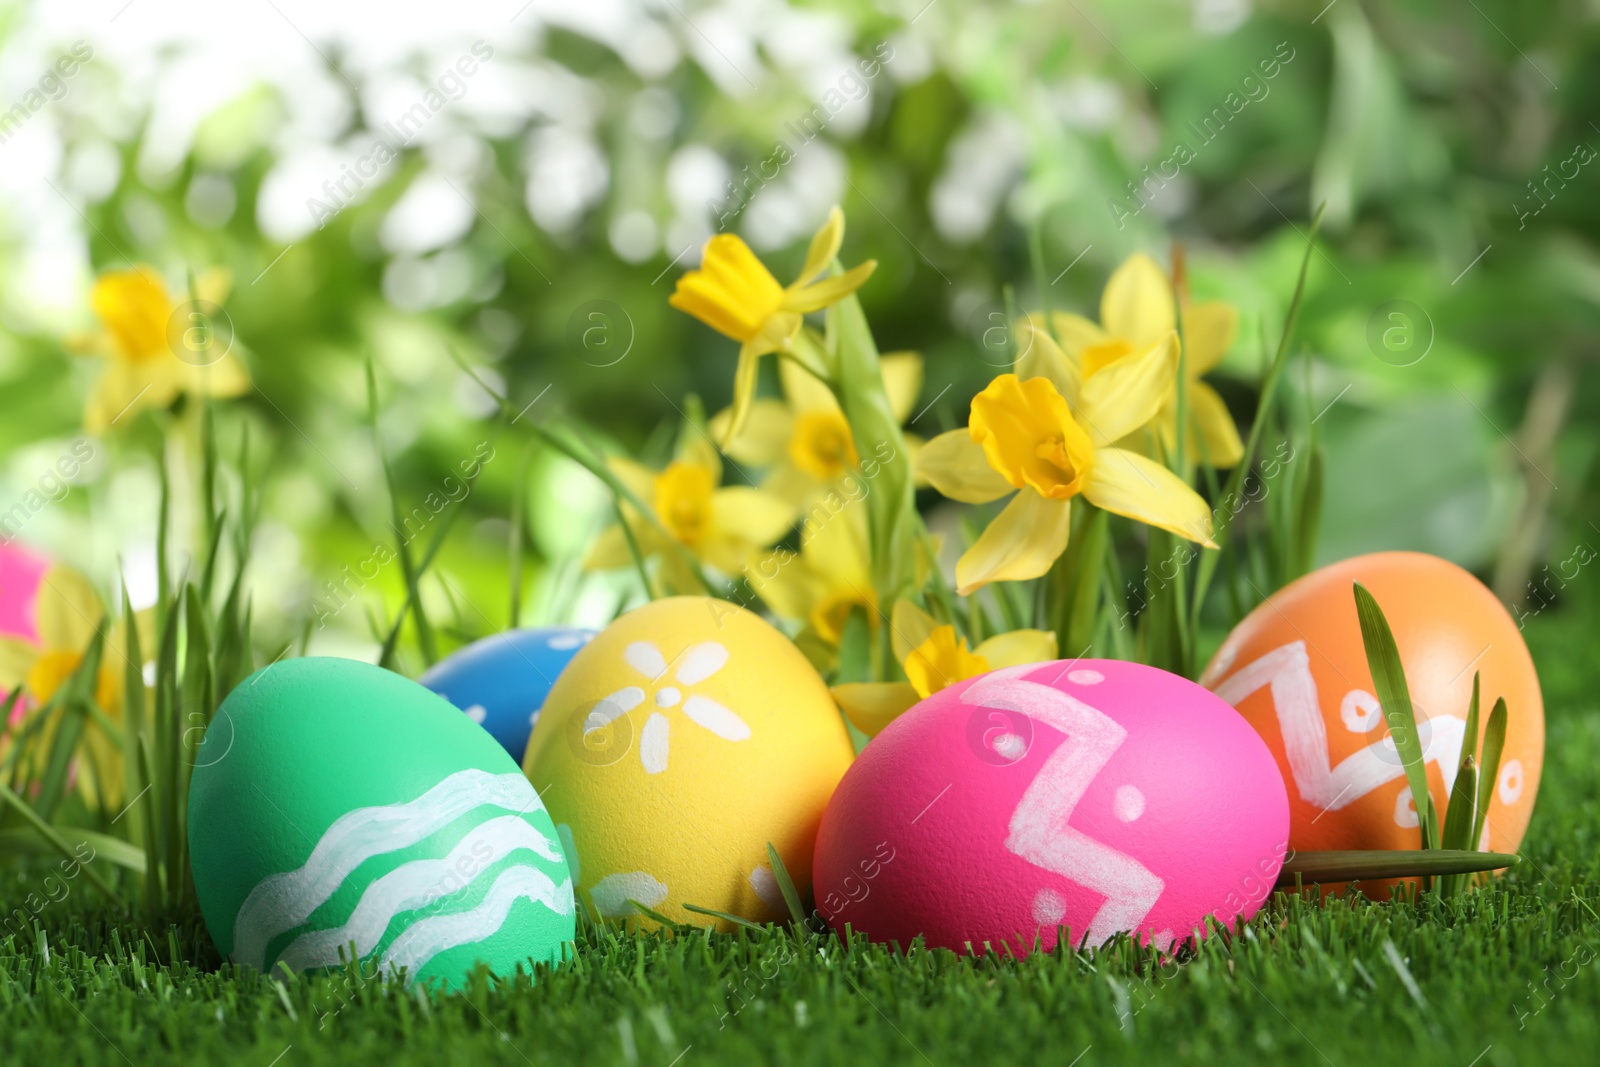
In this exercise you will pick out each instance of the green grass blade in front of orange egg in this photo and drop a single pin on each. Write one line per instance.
(1494, 745)
(1459, 819)
(1394, 695)
(1329, 868)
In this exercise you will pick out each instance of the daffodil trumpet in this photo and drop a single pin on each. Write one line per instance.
(933, 657)
(735, 294)
(1045, 435)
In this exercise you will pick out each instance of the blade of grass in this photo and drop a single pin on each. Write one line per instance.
(791, 896)
(1459, 817)
(725, 917)
(1494, 745)
(408, 571)
(1389, 680)
(1208, 560)
(55, 840)
(1329, 867)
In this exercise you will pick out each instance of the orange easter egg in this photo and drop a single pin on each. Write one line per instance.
(1296, 668)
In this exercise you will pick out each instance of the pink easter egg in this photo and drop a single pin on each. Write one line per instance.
(1098, 795)
(21, 571)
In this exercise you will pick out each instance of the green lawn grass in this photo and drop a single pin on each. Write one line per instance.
(1502, 976)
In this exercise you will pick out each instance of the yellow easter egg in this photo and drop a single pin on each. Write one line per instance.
(673, 748)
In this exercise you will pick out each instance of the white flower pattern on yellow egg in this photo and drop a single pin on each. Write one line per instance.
(697, 663)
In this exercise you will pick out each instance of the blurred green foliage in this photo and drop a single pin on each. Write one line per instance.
(1425, 126)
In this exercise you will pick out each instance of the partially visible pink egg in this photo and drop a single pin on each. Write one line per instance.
(1097, 795)
(21, 572)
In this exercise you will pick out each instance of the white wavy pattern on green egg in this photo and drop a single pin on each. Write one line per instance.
(281, 902)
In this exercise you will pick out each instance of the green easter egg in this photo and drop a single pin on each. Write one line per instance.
(336, 803)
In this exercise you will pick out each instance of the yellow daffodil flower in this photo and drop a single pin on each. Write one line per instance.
(733, 293)
(1136, 311)
(829, 577)
(803, 441)
(718, 525)
(933, 658)
(69, 613)
(1049, 439)
(153, 355)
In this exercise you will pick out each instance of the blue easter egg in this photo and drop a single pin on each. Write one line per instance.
(501, 681)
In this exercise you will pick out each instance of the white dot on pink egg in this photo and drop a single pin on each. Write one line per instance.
(1049, 907)
(1085, 677)
(1128, 803)
(1010, 746)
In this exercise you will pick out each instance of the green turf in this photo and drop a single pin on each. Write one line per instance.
(1503, 976)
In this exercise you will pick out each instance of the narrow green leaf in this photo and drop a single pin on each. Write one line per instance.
(725, 917)
(894, 525)
(1208, 560)
(56, 842)
(1328, 867)
(1389, 680)
(1462, 810)
(1494, 745)
(791, 897)
(113, 850)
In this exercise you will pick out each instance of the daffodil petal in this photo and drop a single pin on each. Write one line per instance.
(635, 476)
(1137, 302)
(1209, 328)
(124, 389)
(820, 294)
(1213, 427)
(69, 611)
(225, 377)
(1075, 333)
(837, 547)
(1021, 543)
(1142, 489)
(902, 381)
(824, 246)
(1018, 647)
(1127, 394)
(695, 447)
(802, 389)
(909, 627)
(955, 464)
(751, 515)
(784, 582)
(744, 391)
(16, 656)
(871, 706)
(609, 551)
(1043, 358)
(765, 438)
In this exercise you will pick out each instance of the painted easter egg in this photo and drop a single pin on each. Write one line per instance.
(1296, 668)
(21, 572)
(336, 804)
(501, 681)
(677, 744)
(1092, 795)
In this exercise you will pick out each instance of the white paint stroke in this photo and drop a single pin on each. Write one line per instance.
(416, 885)
(280, 902)
(424, 940)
